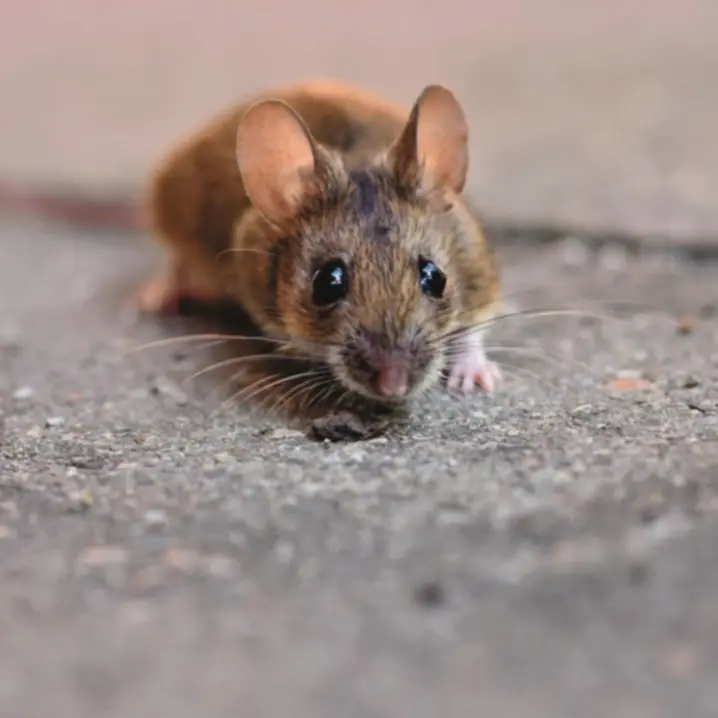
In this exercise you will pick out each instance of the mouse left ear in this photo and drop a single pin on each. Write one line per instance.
(433, 146)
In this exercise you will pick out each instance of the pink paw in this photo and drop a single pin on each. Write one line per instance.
(471, 370)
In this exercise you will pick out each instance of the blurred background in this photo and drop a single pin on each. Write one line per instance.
(599, 113)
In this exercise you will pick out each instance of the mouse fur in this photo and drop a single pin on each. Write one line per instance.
(256, 204)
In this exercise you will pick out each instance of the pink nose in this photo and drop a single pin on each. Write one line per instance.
(393, 378)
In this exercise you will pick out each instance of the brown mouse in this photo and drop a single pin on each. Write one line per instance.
(336, 220)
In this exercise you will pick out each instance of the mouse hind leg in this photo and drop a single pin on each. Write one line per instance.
(174, 204)
(172, 288)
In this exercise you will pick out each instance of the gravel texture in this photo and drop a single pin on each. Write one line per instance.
(548, 551)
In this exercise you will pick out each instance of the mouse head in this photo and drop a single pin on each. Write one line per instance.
(371, 262)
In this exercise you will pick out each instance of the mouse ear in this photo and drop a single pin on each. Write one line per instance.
(433, 145)
(277, 159)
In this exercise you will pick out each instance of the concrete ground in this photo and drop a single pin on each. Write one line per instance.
(549, 551)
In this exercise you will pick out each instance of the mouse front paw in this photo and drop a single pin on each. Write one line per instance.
(472, 369)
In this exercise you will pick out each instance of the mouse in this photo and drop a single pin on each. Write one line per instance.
(337, 220)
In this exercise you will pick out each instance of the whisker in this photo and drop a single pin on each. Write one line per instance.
(169, 341)
(512, 369)
(294, 391)
(331, 386)
(527, 313)
(281, 402)
(256, 384)
(305, 387)
(538, 352)
(340, 399)
(266, 387)
(241, 360)
(573, 311)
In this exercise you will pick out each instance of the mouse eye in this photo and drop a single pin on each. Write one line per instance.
(431, 279)
(330, 283)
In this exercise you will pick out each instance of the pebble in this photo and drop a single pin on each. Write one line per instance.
(628, 385)
(686, 325)
(574, 252)
(23, 392)
(181, 559)
(285, 434)
(9, 507)
(101, 556)
(156, 517)
(614, 257)
(163, 386)
(53, 421)
(219, 566)
(81, 501)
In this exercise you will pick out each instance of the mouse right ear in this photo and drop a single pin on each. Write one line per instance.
(433, 146)
(277, 159)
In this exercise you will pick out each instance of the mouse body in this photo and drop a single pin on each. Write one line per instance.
(336, 219)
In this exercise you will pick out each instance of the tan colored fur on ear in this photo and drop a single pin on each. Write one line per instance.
(277, 159)
(434, 138)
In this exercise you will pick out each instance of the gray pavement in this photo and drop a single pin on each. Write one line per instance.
(549, 551)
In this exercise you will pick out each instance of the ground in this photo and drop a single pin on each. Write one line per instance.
(547, 551)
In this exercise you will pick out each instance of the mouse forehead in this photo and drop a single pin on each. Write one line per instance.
(371, 217)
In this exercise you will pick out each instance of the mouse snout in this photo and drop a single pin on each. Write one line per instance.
(386, 370)
(391, 376)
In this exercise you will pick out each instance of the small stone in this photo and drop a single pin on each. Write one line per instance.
(9, 507)
(430, 594)
(574, 252)
(102, 556)
(218, 566)
(23, 392)
(80, 502)
(53, 421)
(135, 613)
(691, 383)
(167, 388)
(614, 257)
(147, 579)
(629, 374)
(181, 559)
(156, 518)
(285, 434)
(686, 325)
(623, 385)
(680, 662)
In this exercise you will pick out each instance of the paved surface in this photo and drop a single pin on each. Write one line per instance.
(595, 114)
(547, 552)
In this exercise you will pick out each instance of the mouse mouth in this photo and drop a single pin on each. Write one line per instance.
(387, 377)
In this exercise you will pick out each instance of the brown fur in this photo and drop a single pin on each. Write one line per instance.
(337, 175)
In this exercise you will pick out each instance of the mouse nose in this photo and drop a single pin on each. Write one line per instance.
(392, 377)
